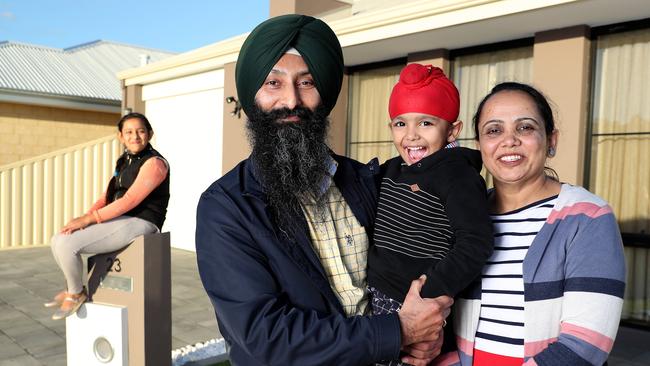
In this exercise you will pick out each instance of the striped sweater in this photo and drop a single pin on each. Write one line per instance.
(500, 335)
(432, 219)
(574, 279)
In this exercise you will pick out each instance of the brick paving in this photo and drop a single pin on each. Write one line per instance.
(29, 277)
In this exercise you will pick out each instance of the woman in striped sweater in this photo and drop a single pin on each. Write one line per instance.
(552, 292)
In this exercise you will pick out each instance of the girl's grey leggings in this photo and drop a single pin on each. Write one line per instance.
(106, 237)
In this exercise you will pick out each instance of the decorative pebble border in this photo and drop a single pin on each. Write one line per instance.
(211, 351)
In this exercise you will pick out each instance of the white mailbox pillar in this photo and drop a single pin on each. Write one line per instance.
(136, 279)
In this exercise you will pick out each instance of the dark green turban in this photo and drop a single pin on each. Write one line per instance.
(316, 43)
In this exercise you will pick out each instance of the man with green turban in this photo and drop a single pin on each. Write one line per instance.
(312, 38)
(282, 239)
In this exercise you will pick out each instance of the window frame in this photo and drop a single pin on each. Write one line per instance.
(630, 239)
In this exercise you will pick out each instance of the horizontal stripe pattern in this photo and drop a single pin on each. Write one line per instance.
(419, 228)
(561, 355)
(577, 261)
(464, 346)
(482, 358)
(544, 290)
(590, 209)
(602, 319)
(596, 339)
(605, 286)
(501, 322)
(533, 348)
(530, 362)
(554, 289)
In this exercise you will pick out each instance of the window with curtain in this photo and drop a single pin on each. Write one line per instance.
(620, 153)
(475, 75)
(369, 135)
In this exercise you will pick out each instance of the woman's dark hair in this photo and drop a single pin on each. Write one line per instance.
(543, 108)
(139, 116)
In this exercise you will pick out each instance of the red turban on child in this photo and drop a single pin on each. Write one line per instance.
(424, 89)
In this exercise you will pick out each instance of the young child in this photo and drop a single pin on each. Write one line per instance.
(432, 216)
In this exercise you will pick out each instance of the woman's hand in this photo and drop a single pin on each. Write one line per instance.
(78, 223)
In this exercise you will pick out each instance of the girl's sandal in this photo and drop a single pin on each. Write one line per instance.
(70, 305)
(57, 301)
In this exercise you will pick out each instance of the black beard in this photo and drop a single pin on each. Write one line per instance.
(291, 160)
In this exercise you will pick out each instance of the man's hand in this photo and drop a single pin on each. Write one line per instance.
(422, 353)
(421, 319)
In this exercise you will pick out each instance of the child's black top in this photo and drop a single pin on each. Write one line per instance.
(432, 219)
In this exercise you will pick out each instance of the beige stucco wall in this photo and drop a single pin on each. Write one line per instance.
(438, 58)
(561, 67)
(337, 138)
(27, 131)
(132, 98)
(235, 143)
(280, 7)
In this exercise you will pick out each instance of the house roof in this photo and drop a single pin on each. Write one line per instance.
(86, 72)
(378, 30)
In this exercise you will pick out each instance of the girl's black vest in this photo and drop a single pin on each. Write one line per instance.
(154, 207)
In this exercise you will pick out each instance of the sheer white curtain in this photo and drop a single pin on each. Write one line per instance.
(620, 155)
(369, 134)
(475, 75)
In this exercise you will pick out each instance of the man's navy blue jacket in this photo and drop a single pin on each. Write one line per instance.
(273, 302)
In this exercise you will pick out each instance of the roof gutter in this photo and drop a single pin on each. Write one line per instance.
(60, 101)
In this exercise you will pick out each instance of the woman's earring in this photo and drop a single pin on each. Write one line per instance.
(551, 151)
